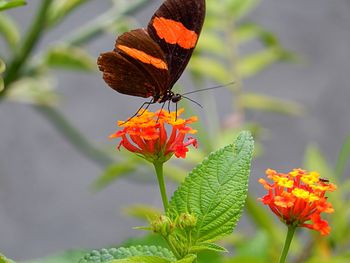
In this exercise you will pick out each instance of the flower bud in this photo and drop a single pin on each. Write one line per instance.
(163, 225)
(186, 221)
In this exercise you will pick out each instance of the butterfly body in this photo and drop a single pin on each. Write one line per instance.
(148, 62)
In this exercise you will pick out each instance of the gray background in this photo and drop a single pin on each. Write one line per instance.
(45, 202)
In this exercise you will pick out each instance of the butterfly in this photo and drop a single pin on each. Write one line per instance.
(146, 62)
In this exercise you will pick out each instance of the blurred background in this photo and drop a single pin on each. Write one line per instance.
(291, 64)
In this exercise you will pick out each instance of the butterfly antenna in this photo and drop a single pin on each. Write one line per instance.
(192, 100)
(215, 87)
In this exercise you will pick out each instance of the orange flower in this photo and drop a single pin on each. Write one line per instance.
(298, 198)
(147, 136)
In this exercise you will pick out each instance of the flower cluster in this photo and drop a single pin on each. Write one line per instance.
(298, 198)
(146, 134)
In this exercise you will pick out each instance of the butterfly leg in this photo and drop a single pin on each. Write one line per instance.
(176, 111)
(148, 103)
(161, 110)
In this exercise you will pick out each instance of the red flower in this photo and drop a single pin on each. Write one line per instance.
(147, 135)
(298, 198)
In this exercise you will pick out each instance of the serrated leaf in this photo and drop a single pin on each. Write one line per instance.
(207, 247)
(210, 68)
(11, 4)
(9, 30)
(69, 57)
(254, 101)
(215, 191)
(143, 212)
(112, 173)
(108, 255)
(38, 90)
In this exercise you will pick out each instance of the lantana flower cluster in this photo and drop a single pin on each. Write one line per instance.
(298, 198)
(146, 134)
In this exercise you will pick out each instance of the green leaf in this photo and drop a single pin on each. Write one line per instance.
(69, 57)
(61, 8)
(3, 259)
(254, 101)
(11, 4)
(210, 68)
(247, 31)
(108, 255)
(143, 212)
(255, 63)
(2, 66)
(207, 247)
(2, 85)
(188, 259)
(9, 30)
(65, 257)
(239, 8)
(210, 42)
(250, 31)
(112, 173)
(215, 191)
(36, 90)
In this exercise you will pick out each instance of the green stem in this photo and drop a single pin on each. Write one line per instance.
(24, 51)
(160, 176)
(290, 234)
(173, 248)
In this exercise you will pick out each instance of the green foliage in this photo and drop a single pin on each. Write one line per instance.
(69, 58)
(34, 90)
(339, 221)
(3, 259)
(59, 9)
(215, 192)
(4, 4)
(9, 30)
(109, 255)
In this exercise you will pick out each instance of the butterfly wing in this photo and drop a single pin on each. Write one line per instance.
(176, 26)
(136, 66)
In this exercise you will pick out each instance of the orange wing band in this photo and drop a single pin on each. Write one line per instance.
(143, 57)
(174, 32)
